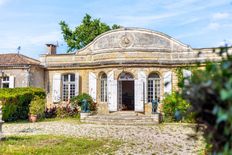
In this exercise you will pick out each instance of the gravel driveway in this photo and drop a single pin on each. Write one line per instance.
(157, 139)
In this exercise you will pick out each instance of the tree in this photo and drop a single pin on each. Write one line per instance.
(84, 33)
(210, 95)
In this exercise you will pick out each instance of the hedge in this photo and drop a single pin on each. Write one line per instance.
(15, 102)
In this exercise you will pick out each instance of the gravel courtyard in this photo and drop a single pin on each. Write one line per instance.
(157, 139)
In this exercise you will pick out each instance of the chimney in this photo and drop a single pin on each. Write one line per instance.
(51, 49)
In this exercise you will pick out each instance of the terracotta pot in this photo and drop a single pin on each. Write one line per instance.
(32, 118)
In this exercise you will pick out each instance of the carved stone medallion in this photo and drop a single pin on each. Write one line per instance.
(126, 40)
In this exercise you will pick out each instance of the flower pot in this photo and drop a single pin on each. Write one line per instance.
(32, 118)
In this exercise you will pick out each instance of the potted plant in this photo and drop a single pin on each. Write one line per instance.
(36, 109)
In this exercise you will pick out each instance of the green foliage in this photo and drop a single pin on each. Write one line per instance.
(210, 94)
(77, 101)
(172, 103)
(84, 33)
(37, 107)
(15, 102)
(68, 111)
(180, 76)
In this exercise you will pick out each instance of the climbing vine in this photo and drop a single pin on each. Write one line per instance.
(180, 76)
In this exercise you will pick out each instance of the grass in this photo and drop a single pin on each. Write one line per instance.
(55, 145)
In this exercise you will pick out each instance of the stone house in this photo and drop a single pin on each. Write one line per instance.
(17, 70)
(122, 69)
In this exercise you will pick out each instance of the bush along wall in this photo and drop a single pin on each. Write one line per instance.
(15, 102)
(175, 108)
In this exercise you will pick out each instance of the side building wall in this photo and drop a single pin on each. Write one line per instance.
(25, 76)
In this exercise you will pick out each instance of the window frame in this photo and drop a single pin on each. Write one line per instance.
(103, 88)
(70, 87)
(5, 81)
(153, 87)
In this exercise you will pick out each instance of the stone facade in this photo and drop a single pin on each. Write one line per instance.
(138, 52)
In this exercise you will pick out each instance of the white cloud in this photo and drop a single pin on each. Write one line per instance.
(221, 15)
(213, 26)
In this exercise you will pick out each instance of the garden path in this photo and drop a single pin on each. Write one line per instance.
(157, 139)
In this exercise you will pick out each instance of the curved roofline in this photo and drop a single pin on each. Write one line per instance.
(132, 28)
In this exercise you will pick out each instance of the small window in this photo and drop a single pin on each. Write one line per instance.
(6, 82)
(68, 86)
(103, 87)
(153, 87)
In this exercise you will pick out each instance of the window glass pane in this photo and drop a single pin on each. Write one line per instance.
(104, 76)
(153, 75)
(103, 90)
(72, 77)
(153, 87)
(5, 85)
(68, 86)
(125, 76)
(6, 78)
(66, 77)
(72, 91)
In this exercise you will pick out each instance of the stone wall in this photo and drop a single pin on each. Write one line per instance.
(26, 76)
(21, 76)
(84, 80)
(37, 77)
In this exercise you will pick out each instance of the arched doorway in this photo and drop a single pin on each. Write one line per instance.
(126, 92)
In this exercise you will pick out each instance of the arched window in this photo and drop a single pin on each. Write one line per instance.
(125, 76)
(68, 86)
(153, 87)
(103, 87)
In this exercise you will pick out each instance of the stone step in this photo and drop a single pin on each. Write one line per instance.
(125, 120)
(120, 122)
(124, 113)
(119, 119)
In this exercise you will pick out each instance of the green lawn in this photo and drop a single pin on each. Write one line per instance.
(55, 145)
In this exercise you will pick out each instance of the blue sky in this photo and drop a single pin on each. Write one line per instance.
(33, 23)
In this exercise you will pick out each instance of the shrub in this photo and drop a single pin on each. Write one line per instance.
(62, 112)
(67, 111)
(37, 107)
(174, 104)
(77, 101)
(15, 102)
(210, 94)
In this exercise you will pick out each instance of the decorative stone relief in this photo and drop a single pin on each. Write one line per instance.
(126, 40)
(135, 39)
